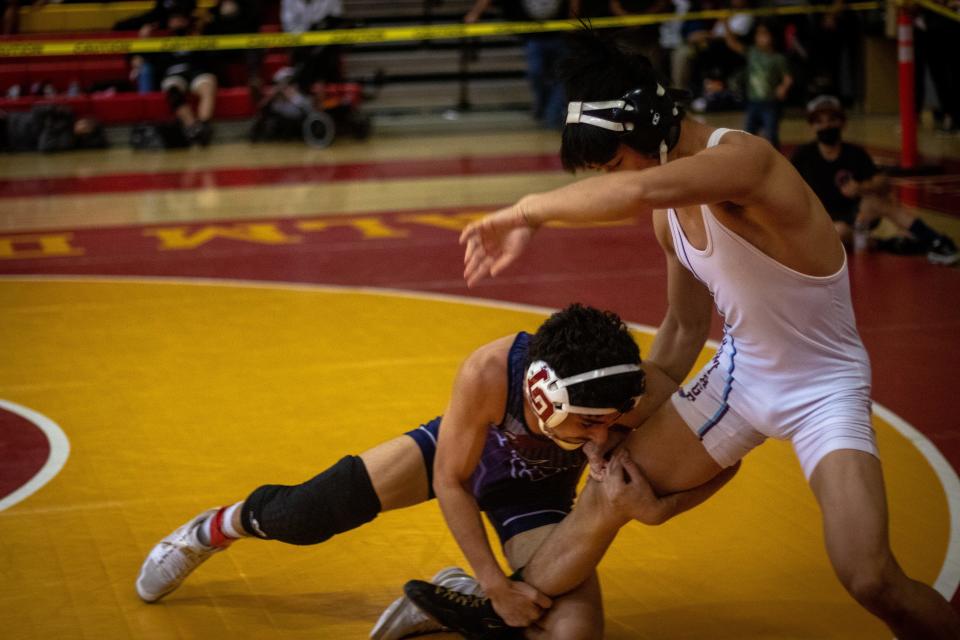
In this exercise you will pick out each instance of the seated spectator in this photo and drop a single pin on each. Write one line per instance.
(233, 16)
(185, 73)
(143, 73)
(282, 111)
(236, 16)
(313, 64)
(157, 18)
(851, 188)
(49, 128)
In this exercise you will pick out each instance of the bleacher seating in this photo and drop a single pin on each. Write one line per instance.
(127, 108)
(418, 75)
(84, 16)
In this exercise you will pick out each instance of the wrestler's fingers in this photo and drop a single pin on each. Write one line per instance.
(469, 231)
(473, 260)
(615, 468)
(479, 271)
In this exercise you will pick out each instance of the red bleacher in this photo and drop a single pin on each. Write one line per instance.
(125, 108)
(86, 71)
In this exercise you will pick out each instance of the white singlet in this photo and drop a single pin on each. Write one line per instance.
(791, 364)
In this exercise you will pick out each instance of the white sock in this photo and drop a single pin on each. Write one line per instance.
(227, 525)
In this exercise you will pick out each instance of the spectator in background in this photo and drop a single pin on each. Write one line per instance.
(236, 16)
(543, 50)
(645, 38)
(936, 47)
(694, 34)
(673, 50)
(831, 44)
(852, 190)
(157, 19)
(768, 81)
(49, 128)
(184, 73)
(10, 16)
(313, 64)
(722, 69)
(143, 72)
(282, 110)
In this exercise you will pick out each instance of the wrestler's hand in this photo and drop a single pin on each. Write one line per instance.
(518, 603)
(629, 494)
(597, 455)
(494, 242)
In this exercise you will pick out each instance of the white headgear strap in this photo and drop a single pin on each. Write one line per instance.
(578, 113)
(550, 399)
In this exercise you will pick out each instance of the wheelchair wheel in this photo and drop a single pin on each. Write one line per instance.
(319, 130)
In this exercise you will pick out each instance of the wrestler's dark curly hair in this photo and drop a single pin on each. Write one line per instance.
(582, 338)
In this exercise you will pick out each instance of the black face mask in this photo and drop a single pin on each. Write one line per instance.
(829, 136)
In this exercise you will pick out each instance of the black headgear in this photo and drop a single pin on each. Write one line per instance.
(647, 118)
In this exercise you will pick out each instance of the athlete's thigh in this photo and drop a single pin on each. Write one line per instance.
(848, 485)
(398, 472)
(670, 454)
(575, 614)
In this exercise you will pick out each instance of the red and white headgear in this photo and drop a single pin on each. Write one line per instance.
(550, 400)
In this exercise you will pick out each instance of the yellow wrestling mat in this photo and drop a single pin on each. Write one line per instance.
(176, 396)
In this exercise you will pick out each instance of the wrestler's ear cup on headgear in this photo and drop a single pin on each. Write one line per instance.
(647, 118)
(549, 397)
(655, 116)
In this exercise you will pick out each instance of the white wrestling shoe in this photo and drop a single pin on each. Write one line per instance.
(173, 559)
(402, 618)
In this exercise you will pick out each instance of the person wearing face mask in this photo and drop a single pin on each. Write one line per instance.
(853, 191)
(508, 445)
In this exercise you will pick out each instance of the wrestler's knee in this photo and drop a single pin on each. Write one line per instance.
(873, 582)
(338, 500)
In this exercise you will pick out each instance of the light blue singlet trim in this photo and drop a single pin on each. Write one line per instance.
(724, 405)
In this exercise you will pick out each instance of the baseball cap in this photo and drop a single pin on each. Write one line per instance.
(822, 104)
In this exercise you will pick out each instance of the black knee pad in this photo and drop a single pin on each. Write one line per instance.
(339, 499)
(175, 97)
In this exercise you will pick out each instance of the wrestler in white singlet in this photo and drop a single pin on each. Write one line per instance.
(791, 364)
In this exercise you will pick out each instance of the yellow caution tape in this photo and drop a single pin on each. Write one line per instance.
(936, 7)
(368, 35)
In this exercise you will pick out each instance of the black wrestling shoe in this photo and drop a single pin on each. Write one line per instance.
(471, 616)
